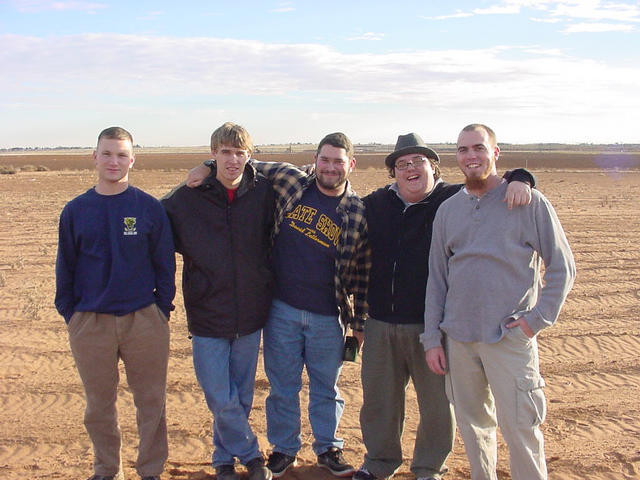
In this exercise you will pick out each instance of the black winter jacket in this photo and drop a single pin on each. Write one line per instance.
(226, 277)
(400, 241)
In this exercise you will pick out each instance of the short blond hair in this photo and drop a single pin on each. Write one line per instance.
(233, 135)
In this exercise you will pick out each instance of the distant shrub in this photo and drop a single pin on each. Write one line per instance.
(42, 168)
(8, 170)
(28, 168)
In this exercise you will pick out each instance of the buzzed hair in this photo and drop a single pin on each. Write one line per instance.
(338, 140)
(233, 135)
(115, 133)
(479, 126)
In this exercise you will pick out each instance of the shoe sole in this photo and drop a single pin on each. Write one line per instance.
(343, 474)
(279, 474)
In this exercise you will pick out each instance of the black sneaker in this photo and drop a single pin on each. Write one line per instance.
(364, 474)
(333, 460)
(279, 462)
(226, 472)
(257, 470)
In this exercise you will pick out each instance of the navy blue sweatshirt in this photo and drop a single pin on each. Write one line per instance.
(115, 255)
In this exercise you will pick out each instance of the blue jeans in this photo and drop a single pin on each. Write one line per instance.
(226, 371)
(295, 338)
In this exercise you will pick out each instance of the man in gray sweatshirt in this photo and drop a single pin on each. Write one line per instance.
(486, 299)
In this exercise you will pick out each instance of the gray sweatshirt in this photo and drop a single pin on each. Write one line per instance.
(484, 267)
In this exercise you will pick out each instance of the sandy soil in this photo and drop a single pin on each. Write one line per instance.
(589, 359)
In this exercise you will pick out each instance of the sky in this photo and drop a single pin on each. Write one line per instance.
(293, 71)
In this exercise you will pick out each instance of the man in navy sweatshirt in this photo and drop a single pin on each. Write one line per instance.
(115, 283)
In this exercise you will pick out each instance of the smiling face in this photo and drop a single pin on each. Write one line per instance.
(113, 158)
(477, 156)
(230, 162)
(416, 181)
(333, 166)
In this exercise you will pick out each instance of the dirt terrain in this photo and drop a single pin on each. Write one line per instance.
(589, 359)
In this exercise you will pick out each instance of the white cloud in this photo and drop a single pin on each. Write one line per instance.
(134, 65)
(597, 27)
(554, 52)
(597, 10)
(31, 6)
(284, 7)
(558, 9)
(447, 17)
(166, 77)
(368, 36)
(507, 9)
(545, 20)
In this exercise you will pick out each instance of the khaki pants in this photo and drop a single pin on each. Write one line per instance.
(499, 383)
(392, 356)
(141, 340)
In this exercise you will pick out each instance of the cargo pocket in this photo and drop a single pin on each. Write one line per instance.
(531, 404)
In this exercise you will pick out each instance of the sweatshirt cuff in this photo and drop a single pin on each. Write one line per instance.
(431, 340)
(535, 321)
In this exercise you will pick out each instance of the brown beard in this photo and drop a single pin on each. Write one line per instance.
(330, 186)
(476, 183)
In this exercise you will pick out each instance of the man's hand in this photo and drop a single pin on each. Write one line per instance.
(197, 175)
(518, 194)
(436, 360)
(522, 323)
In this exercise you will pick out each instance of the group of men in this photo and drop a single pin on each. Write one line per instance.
(296, 254)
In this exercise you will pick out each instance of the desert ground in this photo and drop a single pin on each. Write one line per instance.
(589, 359)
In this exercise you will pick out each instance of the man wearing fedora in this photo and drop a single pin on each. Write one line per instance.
(400, 218)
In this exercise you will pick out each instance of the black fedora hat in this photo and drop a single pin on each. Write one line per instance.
(410, 143)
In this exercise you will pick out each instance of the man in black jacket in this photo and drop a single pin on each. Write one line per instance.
(222, 229)
(399, 218)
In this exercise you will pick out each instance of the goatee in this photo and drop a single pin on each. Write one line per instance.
(476, 183)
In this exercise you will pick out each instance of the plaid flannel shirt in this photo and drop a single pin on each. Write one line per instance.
(353, 260)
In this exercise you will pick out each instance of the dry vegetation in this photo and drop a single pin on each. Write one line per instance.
(589, 359)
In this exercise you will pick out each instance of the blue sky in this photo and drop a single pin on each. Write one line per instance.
(171, 72)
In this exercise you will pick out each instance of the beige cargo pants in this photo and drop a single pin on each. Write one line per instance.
(499, 384)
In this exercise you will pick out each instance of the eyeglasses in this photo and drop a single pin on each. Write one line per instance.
(416, 162)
